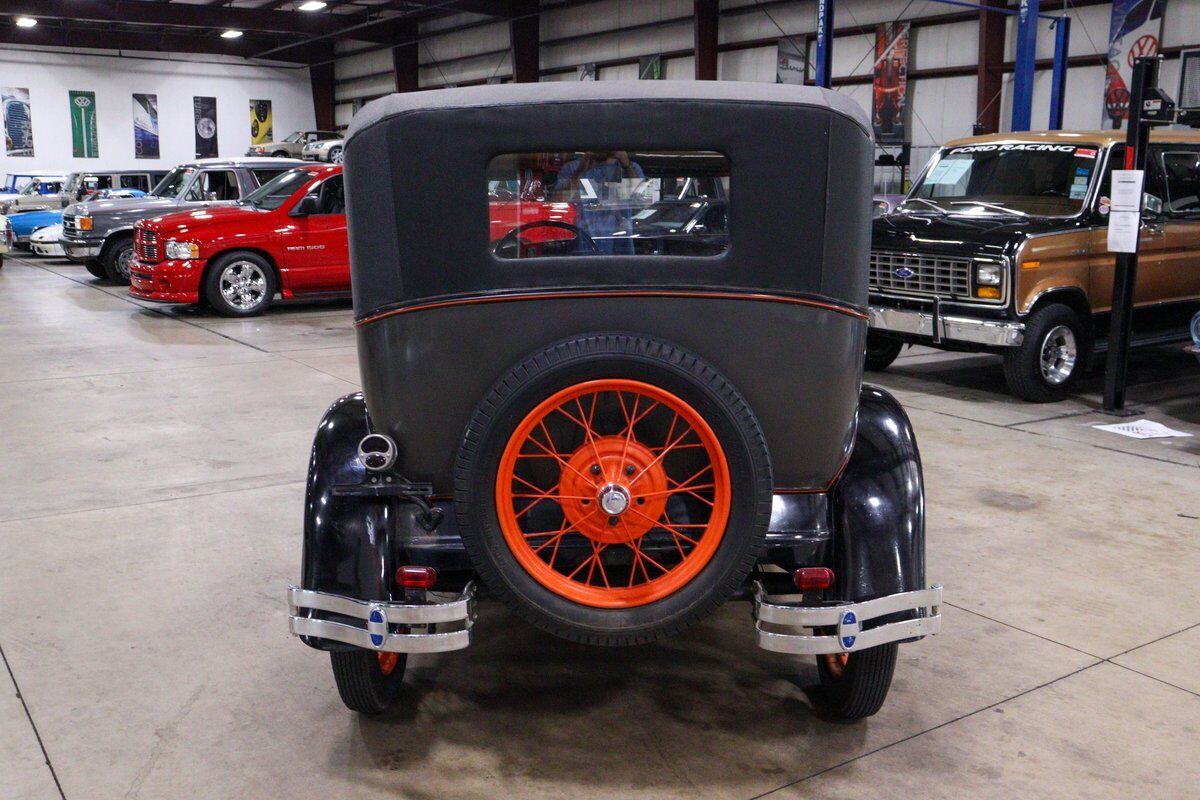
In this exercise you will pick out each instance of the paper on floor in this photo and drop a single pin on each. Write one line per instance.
(1142, 429)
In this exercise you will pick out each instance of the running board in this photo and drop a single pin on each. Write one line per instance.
(1145, 340)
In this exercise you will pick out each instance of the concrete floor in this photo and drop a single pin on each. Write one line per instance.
(150, 508)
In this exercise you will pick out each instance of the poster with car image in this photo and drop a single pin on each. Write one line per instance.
(145, 126)
(204, 117)
(1134, 30)
(890, 81)
(18, 122)
(261, 124)
(83, 125)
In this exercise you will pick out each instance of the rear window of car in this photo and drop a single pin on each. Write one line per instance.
(608, 202)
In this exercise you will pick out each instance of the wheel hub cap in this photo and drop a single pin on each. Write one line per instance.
(628, 483)
(614, 499)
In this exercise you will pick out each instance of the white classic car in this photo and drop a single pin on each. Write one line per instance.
(44, 241)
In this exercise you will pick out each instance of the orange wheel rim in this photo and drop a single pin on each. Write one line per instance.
(387, 662)
(613, 493)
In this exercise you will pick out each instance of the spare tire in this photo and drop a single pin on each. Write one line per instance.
(613, 489)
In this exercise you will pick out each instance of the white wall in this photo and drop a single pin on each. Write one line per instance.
(49, 76)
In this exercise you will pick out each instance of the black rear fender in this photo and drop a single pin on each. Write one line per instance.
(878, 505)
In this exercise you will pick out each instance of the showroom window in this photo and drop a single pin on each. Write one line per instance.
(608, 202)
(1182, 168)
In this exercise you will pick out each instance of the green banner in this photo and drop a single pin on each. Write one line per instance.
(83, 125)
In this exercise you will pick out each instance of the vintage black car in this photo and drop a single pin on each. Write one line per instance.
(612, 440)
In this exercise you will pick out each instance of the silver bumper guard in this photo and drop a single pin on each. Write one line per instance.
(939, 327)
(845, 620)
(378, 618)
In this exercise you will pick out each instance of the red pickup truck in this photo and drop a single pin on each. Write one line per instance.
(286, 237)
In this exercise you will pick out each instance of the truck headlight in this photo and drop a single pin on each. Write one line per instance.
(83, 223)
(182, 251)
(988, 274)
(988, 280)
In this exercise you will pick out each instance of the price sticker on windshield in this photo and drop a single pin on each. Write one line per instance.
(1125, 211)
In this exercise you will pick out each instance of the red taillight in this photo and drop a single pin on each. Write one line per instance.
(416, 577)
(810, 579)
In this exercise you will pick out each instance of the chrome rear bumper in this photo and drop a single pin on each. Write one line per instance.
(846, 619)
(379, 619)
(941, 327)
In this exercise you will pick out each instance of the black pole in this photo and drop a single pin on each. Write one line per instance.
(1145, 74)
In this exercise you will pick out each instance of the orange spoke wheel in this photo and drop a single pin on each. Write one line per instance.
(613, 493)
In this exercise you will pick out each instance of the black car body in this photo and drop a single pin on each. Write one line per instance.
(752, 336)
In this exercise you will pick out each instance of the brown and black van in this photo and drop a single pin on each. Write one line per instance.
(1001, 246)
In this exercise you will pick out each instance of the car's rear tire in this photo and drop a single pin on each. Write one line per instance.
(700, 507)
(335, 155)
(1051, 357)
(96, 269)
(240, 284)
(882, 350)
(117, 259)
(368, 682)
(281, 154)
(855, 685)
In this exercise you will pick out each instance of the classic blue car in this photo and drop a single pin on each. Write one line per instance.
(25, 223)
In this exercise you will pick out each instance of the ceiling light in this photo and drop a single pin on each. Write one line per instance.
(231, 34)
(312, 5)
(29, 22)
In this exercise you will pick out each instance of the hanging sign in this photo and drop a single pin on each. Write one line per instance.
(145, 126)
(18, 121)
(791, 66)
(204, 120)
(890, 81)
(262, 127)
(83, 125)
(1135, 30)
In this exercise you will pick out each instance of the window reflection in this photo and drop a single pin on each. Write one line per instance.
(608, 202)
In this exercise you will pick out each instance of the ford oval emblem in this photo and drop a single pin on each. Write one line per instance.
(849, 627)
(377, 625)
(904, 272)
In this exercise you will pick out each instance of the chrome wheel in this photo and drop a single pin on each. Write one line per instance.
(336, 156)
(1059, 353)
(243, 285)
(124, 262)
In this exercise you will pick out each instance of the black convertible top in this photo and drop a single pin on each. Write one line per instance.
(800, 184)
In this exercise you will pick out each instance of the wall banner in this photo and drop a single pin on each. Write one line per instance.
(650, 68)
(18, 121)
(83, 125)
(586, 72)
(791, 64)
(145, 126)
(890, 84)
(261, 124)
(1136, 30)
(204, 119)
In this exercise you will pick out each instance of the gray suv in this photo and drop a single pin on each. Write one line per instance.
(100, 234)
